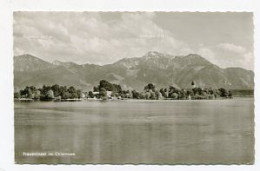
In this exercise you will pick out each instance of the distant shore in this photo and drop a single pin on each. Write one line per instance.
(92, 99)
(110, 91)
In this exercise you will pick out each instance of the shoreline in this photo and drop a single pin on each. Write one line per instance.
(148, 100)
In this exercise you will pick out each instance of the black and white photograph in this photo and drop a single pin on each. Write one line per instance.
(154, 88)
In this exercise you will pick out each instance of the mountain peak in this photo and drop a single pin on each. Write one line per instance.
(155, 54)
(56, 62)
(29, 62)
(193, 55)
(192, 59)
(158, 68)
(27, 56)
(66, 64)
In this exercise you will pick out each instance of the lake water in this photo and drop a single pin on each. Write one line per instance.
(147, 132)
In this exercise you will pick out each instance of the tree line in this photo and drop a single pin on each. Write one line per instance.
(49, 92)
(106, 90)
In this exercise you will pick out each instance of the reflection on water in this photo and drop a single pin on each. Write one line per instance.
(151, 132)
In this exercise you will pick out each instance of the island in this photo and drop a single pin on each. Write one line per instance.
(109, 91)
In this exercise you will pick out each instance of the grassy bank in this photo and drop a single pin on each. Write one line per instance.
(243, 93)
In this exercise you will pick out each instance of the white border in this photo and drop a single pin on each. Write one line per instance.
(6, 68)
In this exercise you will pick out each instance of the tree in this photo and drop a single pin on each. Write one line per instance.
(30, 93)
(71, 89)
(106, 85)
(149, 87)
(66, 95)
(230, 94)
(56, 90)
(175, 96)
(74, 95)
(223, 92)
(117, 88)
(172, 90)
(103, 93)
(182, 94)
(16, 95)
(197, 91)
(37, 94)
(158, 95)
(136, 95)
(142, 95)
(152, 95)
(27, 92)
(73, 92)
(95, 89)
(44, 92)
(163, 92)
(78, 93)
(62, 90)
(90, 94)
(22, 93)
(129, 94)
(189, 94)
(211, 92)
(200, 91)
(50, 94)
(147, 95)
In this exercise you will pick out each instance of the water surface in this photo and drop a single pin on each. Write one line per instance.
(148, 132)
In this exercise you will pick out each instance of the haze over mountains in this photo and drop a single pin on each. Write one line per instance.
(131, 73)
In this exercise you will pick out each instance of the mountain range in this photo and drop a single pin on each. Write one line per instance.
(131, 73)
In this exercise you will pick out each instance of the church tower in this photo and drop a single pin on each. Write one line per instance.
(193, 84)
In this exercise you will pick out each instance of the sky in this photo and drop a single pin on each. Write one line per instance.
(224, 38)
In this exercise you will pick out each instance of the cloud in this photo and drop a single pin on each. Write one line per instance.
(233, 55)
(225, 57)
(232, 47)
(248, 61)
(84, 36)
(208, 54)
(99, 38)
